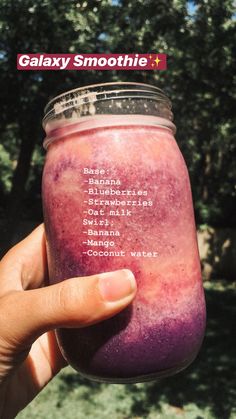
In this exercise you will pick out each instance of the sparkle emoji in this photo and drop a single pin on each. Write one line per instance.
(155, 61)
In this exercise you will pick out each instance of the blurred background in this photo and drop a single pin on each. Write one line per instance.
(199, 38)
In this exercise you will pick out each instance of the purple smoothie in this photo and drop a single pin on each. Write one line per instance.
(162, 331)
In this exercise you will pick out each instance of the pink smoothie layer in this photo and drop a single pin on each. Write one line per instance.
(119, 197)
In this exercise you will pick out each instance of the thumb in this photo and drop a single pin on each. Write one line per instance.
(75, 302)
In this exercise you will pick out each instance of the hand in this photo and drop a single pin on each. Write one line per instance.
(29, 354)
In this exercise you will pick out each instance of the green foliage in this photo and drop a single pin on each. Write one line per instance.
(9, 149)
(199, 38)
(5, 169)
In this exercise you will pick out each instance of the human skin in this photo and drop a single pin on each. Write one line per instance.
(30, 310)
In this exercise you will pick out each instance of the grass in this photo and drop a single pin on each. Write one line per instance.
(206, 390)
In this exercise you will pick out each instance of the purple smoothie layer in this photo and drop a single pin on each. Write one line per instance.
(108, 351)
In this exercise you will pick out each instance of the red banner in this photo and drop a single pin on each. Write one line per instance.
(151, 61)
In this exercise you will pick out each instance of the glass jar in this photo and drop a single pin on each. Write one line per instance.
(116, 194)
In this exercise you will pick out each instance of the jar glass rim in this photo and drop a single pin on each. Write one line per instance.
(150, 88)
(96, 93)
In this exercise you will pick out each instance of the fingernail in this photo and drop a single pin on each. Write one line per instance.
(117, 285)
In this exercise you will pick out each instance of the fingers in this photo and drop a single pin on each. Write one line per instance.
(25, 265)
(75, 302)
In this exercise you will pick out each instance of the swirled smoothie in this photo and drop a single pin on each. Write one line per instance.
(116, 194)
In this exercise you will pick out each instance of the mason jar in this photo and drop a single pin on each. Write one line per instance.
(116, 194)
